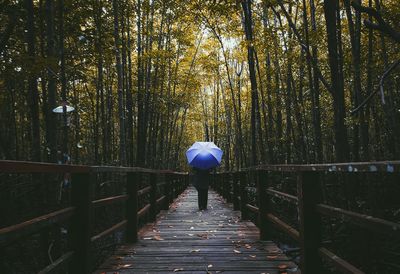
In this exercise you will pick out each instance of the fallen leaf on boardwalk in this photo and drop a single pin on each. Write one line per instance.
(272, 257)
(204, 235)
(192, 227)
(237, 251)
(147, 238)
(126, 265)
(170, 226)
(247, 246)
(210, 265)
(158, 238)
(282, 266)
(190, 234)
(194, 250)
(252, 256)
(178, 269)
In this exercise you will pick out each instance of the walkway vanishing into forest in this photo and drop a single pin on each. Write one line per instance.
(106, 206)
(186, 240)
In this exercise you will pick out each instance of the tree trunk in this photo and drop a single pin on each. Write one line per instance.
(118, 65)
(33, 93)
(340, 131)
(355, 39)
(51, 125)
(248, 28)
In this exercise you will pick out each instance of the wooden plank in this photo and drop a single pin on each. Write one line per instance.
(109, 200)
(161, 199)
(263, 203)
(132, 206)
(143, 211)
(352, 167)
(252, 208)
(293, 233)
(153, 198)
(15, 232)
(243, 195)
(236, 193)
(36, 167)
(108, 231)
(57, 264)
(102, 169)
(365, 221)
(186, 240)
(309, 195)
(337, 262)
(282, 195)
(144, 190)
(80, 231)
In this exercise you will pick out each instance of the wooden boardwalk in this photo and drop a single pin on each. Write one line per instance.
(185, 240)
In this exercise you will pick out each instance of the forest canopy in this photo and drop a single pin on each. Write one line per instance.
(272, 82)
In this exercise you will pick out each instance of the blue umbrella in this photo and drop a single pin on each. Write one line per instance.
(204, 155)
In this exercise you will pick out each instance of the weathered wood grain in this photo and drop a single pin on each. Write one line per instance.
(186, 240)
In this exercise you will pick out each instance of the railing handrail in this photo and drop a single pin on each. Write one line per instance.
(308, 200)
(80, 212)
(10, 166)
(376, 166)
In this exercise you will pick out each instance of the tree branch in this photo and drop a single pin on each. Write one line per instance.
(382, 26)
(305, 47)
(379, 89)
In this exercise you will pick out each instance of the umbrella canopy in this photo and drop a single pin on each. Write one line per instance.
(59, 109)
(204, 155)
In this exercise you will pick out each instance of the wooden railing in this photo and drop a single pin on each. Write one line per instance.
(310, 207)
(80, 212)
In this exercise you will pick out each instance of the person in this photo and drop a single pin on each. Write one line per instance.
(201, 181)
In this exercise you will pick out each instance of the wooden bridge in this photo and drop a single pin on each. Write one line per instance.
(164, 233)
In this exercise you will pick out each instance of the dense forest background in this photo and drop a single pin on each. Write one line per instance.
(268, 81)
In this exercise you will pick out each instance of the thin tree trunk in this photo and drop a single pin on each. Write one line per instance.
(63, 78)
(248, 27)
(315, 90)
(340, 131)
(33, 93)
(355, 39)
(118, 65)
(51, 89)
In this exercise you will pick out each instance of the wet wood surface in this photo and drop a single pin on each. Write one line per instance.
(186, 240)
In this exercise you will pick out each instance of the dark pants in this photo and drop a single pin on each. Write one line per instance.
(202, 198)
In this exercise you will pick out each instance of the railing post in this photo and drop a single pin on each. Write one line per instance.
(80, 231)
(243, 195)
(165, 205)
(173, 187)
(309, 195)
(132, 207)
(235, 182)
(153, 196)
(263, 203)
(228, 182)
(222, 185)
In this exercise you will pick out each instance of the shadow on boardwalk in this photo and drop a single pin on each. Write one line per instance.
(185, 240)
